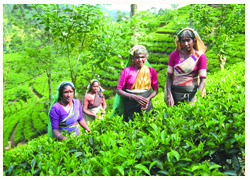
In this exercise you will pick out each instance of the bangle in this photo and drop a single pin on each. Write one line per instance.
(58, 135)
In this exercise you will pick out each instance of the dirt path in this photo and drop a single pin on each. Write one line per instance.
(38, 98)
(11, 142)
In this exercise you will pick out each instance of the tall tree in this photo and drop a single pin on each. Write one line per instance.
(228, 19)
(135, 27)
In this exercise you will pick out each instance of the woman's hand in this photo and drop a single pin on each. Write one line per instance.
(193, 100)
(140, 99)
(170, 100)
(146, 106)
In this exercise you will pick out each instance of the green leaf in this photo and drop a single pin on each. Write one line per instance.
(163, 172)
(152, 164)
(185, 159)
(194, 168)
(215, 135)
(78, 154)
(120, 169)
(214, 166)
(230, 172)
(194, 150)
(142, 167)
(91, 141)
(176, 154)
(189, 143)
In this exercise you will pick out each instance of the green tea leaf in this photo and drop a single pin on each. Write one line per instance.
(142, 167)
(152, 164)
(230, 173)
(163, 172)
(214, 166)
(176, 154)
(120, 169)
(78, 154)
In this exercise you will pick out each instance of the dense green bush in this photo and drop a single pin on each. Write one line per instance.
(173, 141)
(206, 139)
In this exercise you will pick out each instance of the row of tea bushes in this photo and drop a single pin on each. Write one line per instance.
(205, 139)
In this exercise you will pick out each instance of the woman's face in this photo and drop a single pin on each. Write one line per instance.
(95, 87)
(139, 60)
(187, 43)
(68, 94)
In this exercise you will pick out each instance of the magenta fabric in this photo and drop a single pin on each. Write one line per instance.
(128, 77)
(174, 58)
(58, 114)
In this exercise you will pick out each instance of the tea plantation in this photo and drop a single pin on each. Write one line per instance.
(205, 139)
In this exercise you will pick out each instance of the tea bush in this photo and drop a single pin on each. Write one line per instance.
(205, 139)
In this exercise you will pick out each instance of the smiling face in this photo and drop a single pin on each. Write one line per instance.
(67, 94)
(139, 60)
(95, 87)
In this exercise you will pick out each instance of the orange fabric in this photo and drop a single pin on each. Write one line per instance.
(143, 79)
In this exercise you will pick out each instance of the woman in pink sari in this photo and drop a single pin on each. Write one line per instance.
(187, 68)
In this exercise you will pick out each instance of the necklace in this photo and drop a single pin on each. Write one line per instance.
(184, 55)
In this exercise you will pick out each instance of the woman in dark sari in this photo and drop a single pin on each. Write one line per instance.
(135, 85)
(65, 113)
(187, 68)
(94, 101)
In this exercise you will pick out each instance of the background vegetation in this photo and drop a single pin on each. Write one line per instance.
(46, 44)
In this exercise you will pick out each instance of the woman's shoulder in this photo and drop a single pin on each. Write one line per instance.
(201, 54)
(56, 108)
(76, 100)
(129, 68)
(174, 53)
(57, 105)
(152, 70)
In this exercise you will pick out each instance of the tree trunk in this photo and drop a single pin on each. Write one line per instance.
(134, 36)
(133, 10)
(191, 16)
(6, 78)
(49, 82)
(223, 60)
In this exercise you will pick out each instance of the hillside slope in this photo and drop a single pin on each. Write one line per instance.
(25, 97)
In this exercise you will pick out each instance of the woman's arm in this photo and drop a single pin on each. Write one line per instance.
(202, 84)
(200, 88)
(84, 125)
(104, 105)
(140, 99)
(153, 94)
(169, 83)
(58, 135)
(85, 107)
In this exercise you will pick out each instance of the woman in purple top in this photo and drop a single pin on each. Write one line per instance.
(66, 113)
(187, 68)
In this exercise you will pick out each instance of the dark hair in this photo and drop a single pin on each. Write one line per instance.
(62, 88)
(190, 34)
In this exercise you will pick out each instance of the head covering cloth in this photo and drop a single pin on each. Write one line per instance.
(200, 46)
(89, 86)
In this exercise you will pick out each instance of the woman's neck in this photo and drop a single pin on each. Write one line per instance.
(137, 68)
(65, 103)
(91, 92)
